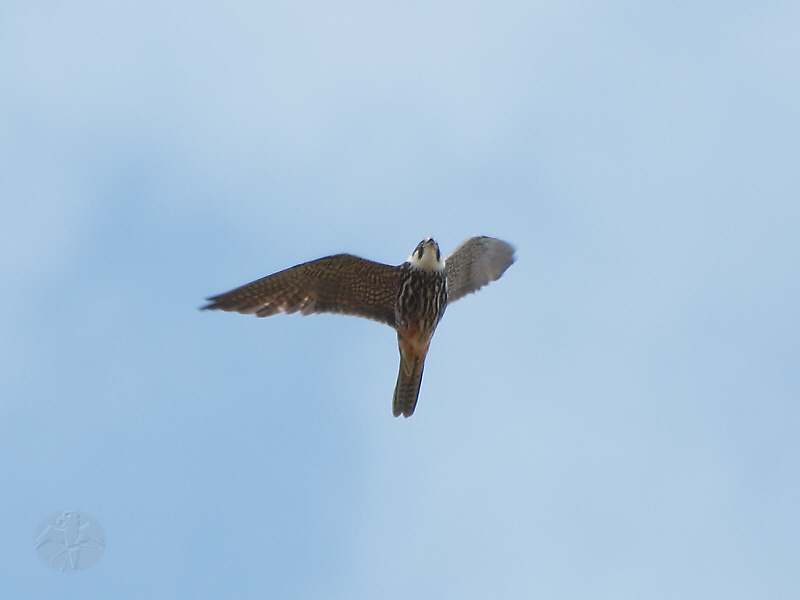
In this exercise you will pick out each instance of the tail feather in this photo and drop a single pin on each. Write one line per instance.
(406, 391)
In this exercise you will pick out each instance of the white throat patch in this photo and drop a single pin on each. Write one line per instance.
(430, 260)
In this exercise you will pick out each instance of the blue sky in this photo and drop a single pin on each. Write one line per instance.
(617, 417)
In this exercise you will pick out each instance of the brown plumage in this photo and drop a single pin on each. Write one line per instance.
(341, 283)
(421, 302)
(411, 298)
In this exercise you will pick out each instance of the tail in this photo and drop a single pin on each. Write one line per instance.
(406, 391)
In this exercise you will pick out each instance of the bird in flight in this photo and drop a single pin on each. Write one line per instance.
(411, 298)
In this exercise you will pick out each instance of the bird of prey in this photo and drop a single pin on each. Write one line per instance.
(411, 298)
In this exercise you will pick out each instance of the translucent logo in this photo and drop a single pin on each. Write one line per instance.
(69, 541)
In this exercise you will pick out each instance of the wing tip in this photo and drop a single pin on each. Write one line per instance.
(211, 304)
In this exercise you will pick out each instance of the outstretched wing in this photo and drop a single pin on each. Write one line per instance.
(341, 283)
(475, 263)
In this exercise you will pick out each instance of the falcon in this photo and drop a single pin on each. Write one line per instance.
(411, 297)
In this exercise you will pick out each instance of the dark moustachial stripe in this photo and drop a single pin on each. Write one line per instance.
(409, 299)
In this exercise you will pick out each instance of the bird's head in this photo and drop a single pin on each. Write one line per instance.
(426, 256)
